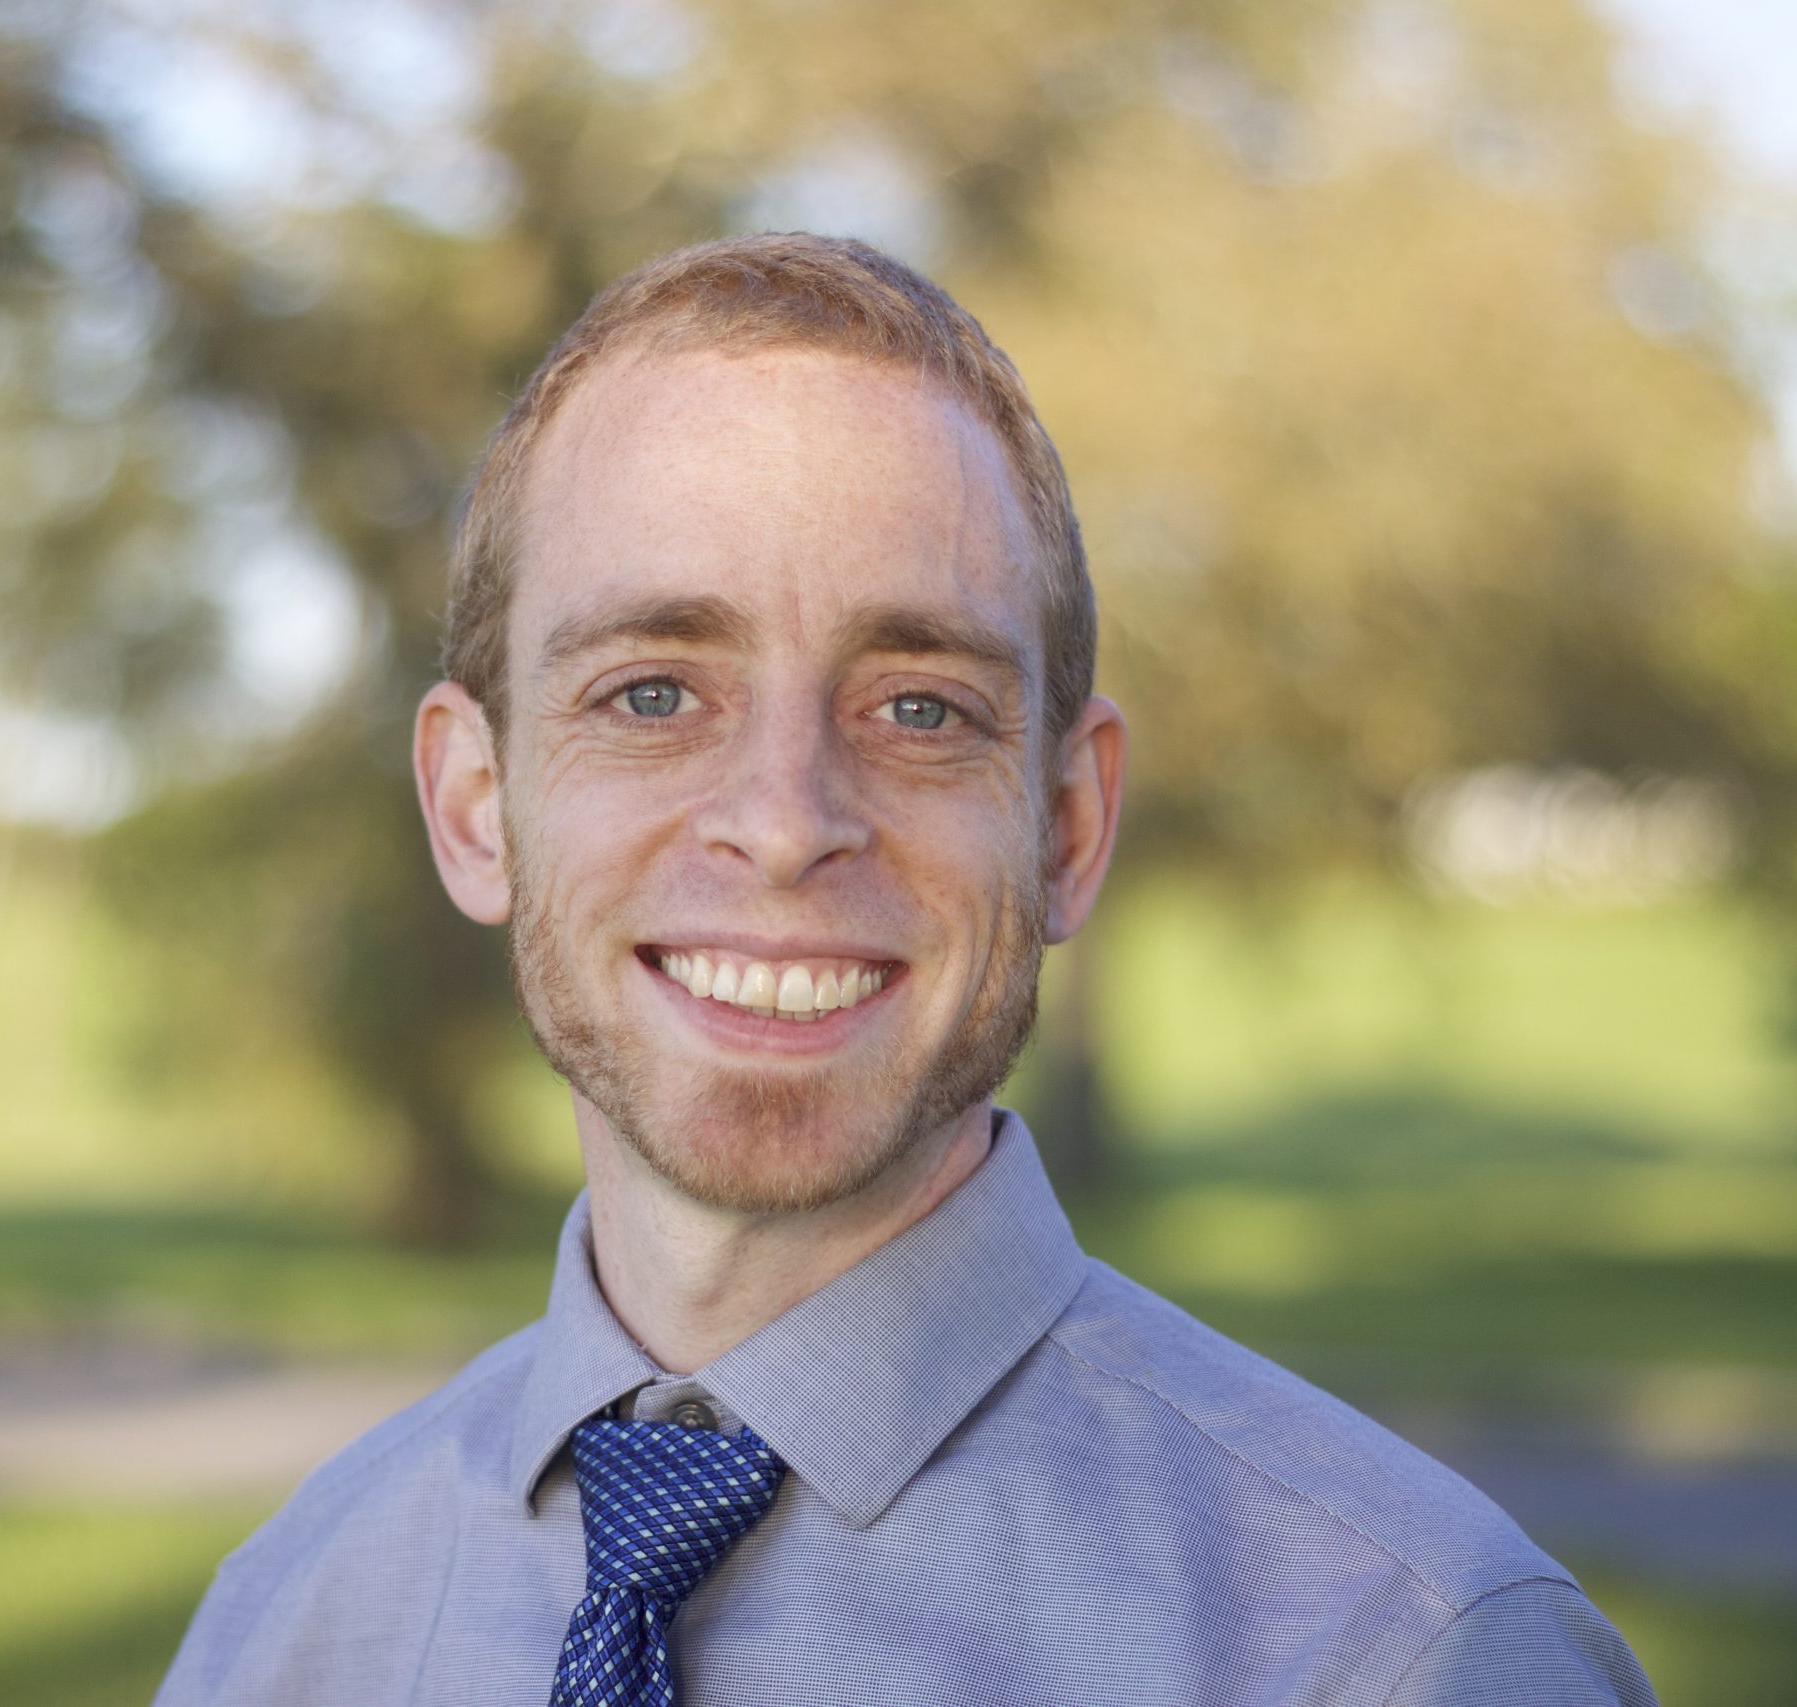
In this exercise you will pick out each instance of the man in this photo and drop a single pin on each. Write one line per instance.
(769, 731)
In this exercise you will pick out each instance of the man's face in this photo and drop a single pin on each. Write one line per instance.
(775, 669)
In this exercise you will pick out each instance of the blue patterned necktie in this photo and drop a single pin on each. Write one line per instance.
(661, 1505)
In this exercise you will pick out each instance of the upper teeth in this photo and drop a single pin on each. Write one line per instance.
(793, 991)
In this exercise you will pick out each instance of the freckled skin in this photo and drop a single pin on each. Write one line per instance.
(782, 799)
(785, 556)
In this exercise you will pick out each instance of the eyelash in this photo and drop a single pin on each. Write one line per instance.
(649, 678)
(959, 712)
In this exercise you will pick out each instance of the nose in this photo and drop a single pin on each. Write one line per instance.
(786, 801)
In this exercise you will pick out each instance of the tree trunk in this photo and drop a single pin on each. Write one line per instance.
(445, 1185)
(1070, 1118)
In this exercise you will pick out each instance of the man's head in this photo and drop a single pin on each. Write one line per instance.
(770, 663)
(790, 291)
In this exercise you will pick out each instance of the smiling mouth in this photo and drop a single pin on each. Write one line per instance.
(797, 990)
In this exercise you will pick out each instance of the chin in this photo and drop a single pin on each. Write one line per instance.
(770, 1139)
(767, 1142)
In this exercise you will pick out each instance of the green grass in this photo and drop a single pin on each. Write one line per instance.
(1360, 1122)
(1701, 1650)
(1658, 1022)
(1430, 1233)
(95, 1603)
(1427, 1228)
(1535, 1160)
(291, 1285)
(1455, 1142)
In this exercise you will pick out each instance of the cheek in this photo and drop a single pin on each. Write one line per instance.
(969, 861)
(976, 802)
(587, 844)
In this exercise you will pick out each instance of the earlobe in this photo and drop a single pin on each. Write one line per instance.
(458, 788)
(1088, 799)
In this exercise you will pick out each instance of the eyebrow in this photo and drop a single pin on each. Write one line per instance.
(902, 628)
(708, 620)
(697, 621)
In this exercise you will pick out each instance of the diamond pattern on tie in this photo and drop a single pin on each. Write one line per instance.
(661, 1505)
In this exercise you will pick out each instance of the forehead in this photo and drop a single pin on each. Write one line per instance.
(797, 485)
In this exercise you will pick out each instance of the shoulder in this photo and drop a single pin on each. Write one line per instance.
(326, 1559)
(1248, 1517)
(461, 1430)
(1537, 1641)
(1281, 1445)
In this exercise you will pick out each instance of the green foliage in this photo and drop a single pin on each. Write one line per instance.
(317, 867)
(1399, 403)
(1411, 432)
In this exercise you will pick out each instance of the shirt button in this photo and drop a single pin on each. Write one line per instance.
(691, 1414)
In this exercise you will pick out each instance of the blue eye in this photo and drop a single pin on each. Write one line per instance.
(652, 699)
(919, 711)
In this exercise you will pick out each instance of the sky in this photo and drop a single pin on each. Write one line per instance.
(1733, 65)
(1734, 59)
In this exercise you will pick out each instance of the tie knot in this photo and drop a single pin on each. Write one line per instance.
(662, 1504)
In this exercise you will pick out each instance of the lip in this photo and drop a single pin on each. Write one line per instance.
(736, 1029)
(770, 948)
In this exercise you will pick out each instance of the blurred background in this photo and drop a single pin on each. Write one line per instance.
(1427, 375)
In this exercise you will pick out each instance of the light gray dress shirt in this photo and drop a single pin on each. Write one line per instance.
(1015, 1478)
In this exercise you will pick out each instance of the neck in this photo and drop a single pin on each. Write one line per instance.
(687, 1281)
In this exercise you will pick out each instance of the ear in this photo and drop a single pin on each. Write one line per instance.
(1088, 797)
(458, 787)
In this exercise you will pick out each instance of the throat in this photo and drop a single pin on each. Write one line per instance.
(688, 1280)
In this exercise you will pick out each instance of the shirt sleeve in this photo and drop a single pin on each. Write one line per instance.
(1540, 1642)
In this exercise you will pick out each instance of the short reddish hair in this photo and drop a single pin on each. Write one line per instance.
(743, 293)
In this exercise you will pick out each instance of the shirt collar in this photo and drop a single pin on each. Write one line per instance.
(583, 1360)
(856, 1386)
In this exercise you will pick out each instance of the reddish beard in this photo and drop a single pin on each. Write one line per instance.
(762, 1141)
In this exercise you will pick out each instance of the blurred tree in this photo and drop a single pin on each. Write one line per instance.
(1403, 412)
